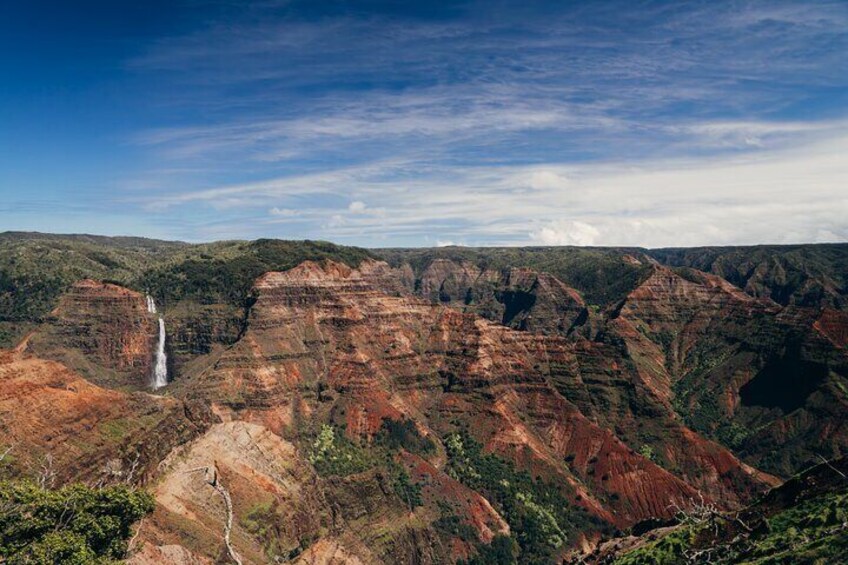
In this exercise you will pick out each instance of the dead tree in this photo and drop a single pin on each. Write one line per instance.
(212, 478)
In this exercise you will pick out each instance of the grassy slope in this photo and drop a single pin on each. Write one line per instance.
(35, 269)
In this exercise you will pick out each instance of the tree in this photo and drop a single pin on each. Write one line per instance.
(75, 524)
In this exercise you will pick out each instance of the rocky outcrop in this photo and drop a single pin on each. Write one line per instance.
(519, 298)
(833, 324)
(324, 344)
(811, 276)
(605, 407)
(149, 554)
(747, 371)
(282, 510)
(801, 521)
(266, 481)
(196, 330)
(687, 342)
(600, 406)
(103, 331)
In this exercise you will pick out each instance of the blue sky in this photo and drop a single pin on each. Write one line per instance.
(388, 123)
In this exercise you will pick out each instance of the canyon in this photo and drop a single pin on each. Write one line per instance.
(333, 405)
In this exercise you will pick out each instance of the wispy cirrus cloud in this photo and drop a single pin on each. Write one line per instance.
(596, 123)
(769, 196)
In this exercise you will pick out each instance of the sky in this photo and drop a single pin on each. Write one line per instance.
(397, 123)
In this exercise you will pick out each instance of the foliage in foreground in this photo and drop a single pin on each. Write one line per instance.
(72, 525)
(815, 531)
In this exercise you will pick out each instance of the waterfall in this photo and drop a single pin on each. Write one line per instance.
(160, 369)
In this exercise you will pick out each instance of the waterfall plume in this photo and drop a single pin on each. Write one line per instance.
(160, 369)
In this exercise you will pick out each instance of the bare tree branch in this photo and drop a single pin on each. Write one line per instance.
(47, 475)
(135, 536)
(212, 479)
(826, 462)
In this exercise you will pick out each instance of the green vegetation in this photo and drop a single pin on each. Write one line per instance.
(502, 550)
(539, 513)
(404, 488)
(334, 454)
(263, 521)
(228, 277)
(35, 269)
(805, 275)
(397, 434)
(668, 550)
(451, 525)
(814, 531)
(117, 429)
(72, 525)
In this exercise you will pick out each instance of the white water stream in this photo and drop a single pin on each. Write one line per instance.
(151, 306)
(160, 369)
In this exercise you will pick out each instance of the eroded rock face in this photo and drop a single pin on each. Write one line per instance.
(283, 509)
(519, 298)
(803, 276)
(755, 374)
(101, 325)
(808, 498)
(833, 324)
(265, 480)
(196, 330)
(150, 554)
(595, 413)
(323, 343)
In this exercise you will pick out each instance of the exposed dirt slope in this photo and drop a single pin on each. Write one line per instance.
(57, 422)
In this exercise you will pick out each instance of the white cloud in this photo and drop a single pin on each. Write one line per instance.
(357, 207)
(549, 133)
(566, 233)
(283, 212)
(544, 179)
(336, 221)
(788, 195)
(755, 133)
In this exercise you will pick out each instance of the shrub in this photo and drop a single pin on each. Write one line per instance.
(75, 524)
(405, 489)
(334, 454)
(397, 434)
(539, 513)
